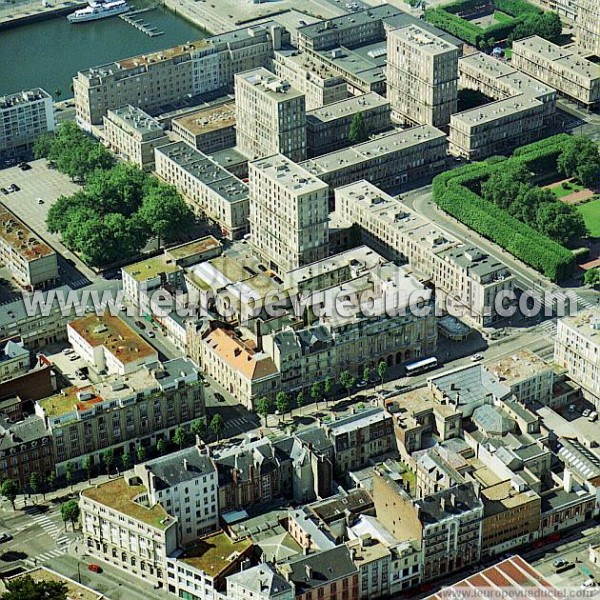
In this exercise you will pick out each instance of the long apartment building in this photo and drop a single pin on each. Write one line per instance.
(288, 214)
(23, 117)
(387, 160)
(328, 127)
(153, 80)
(319, 84)
(577, 349)
(520, 114)
(587, 26)
(401, 235)
(133, 134)
(566, 70)
(422, 76)
(270, 116)
(209, 189)
(31, 261)
(122, 412)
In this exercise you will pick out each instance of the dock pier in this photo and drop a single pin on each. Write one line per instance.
(139, 24)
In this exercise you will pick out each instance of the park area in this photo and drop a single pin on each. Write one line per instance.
(504, 200)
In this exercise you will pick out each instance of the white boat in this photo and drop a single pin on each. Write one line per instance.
(99, 10)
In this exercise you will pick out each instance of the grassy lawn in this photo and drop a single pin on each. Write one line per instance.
(560, 192)
(508, 53)
(591, 215)
(502, 17)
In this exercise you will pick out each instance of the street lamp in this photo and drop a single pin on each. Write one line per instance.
(78, 571)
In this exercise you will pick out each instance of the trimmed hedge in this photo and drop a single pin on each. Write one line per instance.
(447, 18)
(452, 193)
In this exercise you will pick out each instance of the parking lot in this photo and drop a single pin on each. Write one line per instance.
(47, 185)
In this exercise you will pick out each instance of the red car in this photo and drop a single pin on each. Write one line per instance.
(95, 568)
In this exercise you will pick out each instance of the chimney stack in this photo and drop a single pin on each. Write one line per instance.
(185, 464)
(309, 571)
(259, 340)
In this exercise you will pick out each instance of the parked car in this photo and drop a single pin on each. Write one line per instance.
(94, 568)
(24, 166)
(586, 412)
(4, 191)
(593, 416)
(5, 537)
(476, 357)
(68, 351)
(571, 408)
(15, 188)
(140, 325)
(39, 201)
(151, 334)
(219, 397)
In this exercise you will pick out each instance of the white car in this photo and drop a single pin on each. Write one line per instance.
(39, 201)
(586, 412)
(476, 357)
(68, 351)
(588, 583)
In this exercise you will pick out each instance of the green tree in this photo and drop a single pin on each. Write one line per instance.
(69, 473)
(88, 465)
(51, 481)
(180, 437)
(560, 222)
(9, 489)
(26, 588)
(126, 461)
(263, 408)
(217, 425)
(382, 369)
(527, 203)
(505, 184)
(34, 482)
(316, 392)
(300, 400)
(168, 217)
(579, 157)
(69, 512)
(160, 447)
(198, 427)
(347, 380)
(592, 277)
(108, 458)
(358, 129)
(42, 145)
(141, 453)
(328, 385)
(588, 174)
(282, 402)
(367, 373)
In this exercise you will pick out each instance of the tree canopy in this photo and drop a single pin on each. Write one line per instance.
(118, 211)
(26, 588)
(580, 159)
(358, 129)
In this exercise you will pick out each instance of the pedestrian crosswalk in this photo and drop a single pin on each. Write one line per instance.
(241, 423)
(49, 526)
(34, 561)
(586, 303)
(548, 327)
(78, 283)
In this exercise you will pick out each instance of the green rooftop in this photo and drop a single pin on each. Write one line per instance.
(152, 267)
(214, 553)
(118, 495)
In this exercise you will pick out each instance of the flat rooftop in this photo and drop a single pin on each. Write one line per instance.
(214, 553)
(20, 238)
(118, 495)
(587, 324)
(152, 267)
(390, 210)
(286, 173)
(474, 261)
(269, 84)
(161, 55)
(74, 590)
(308, 63)
(199, 246)
(135, 119)
(115, 335)
(24, 97)
(206, 170)
(425, 41)
(495, 111)
(365, 63)
(359, 420)
(381, 146)
(345, 108)
(567, 59)
(208, 119)
(520, 365)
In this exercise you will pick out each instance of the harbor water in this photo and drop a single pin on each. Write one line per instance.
(48, 54)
